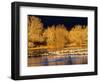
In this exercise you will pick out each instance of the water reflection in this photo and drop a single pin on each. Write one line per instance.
(57, 60)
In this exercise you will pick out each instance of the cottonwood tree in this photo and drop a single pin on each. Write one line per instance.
(50, 36)
(56, 36)
(85, 35)
(61, 36)
(35, 30)
(78, 35)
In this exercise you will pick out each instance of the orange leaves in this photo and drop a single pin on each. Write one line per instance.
(78, 35)
(35, 29)
(55, 36)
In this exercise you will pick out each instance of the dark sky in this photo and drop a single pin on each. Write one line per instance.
(67, 21)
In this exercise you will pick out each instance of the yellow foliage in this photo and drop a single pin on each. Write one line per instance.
(78, 35)
(56, 36)
(61, 36)
(50, 36)
(30, 44)
(35, 29)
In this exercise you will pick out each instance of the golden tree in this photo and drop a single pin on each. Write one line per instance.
(49, 34)
(35, 30)
(61, 36)
(85, 35)
(56, 36)
(78, 35)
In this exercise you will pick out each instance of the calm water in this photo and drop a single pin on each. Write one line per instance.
(57, 60)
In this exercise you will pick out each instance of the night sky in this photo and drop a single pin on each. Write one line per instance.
(69, 22)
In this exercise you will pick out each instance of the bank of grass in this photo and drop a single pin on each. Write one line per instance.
(44, 50)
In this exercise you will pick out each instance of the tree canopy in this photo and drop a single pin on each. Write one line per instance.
(55, 36)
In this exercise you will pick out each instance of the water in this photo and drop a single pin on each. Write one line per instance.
(57, 60)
